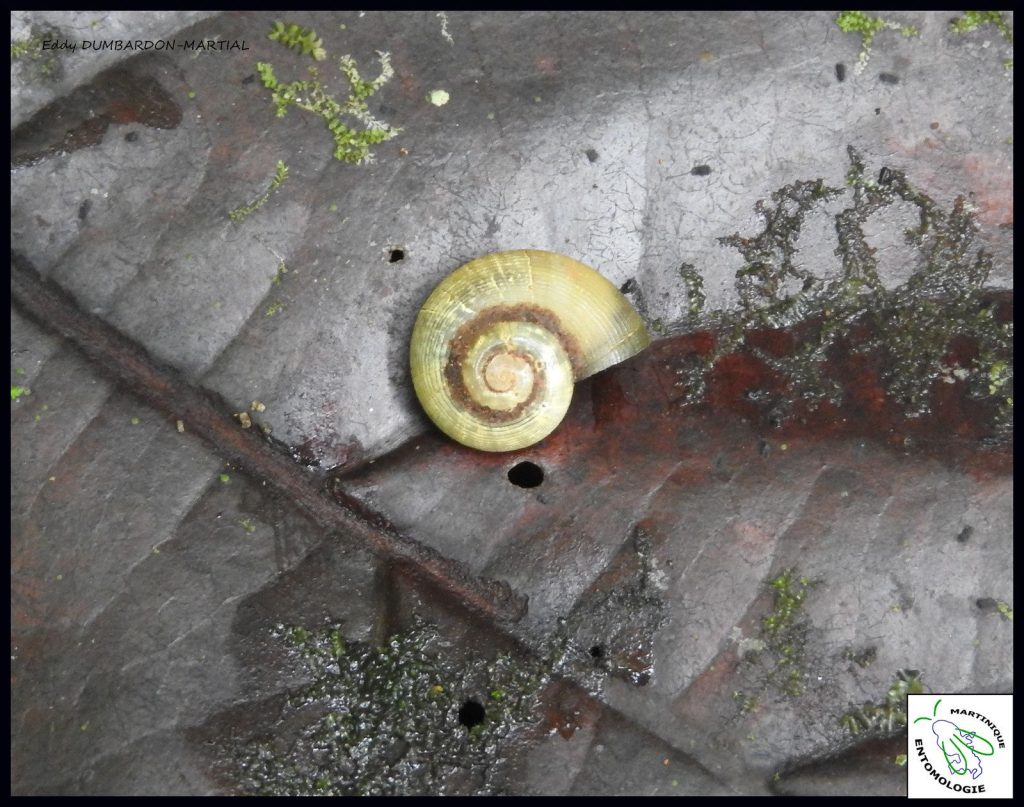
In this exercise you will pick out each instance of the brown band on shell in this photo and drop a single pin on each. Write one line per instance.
(467, 336)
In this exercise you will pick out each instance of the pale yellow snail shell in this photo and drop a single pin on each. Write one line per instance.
(500, 342)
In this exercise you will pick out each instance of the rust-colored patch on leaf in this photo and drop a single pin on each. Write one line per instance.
(81, 119)
(992, 188)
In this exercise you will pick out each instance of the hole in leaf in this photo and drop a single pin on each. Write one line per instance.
(471, 714)
(526, 475)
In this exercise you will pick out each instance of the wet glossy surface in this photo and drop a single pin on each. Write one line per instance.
(800, 489)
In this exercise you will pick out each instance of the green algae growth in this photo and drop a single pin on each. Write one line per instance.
(405, 718)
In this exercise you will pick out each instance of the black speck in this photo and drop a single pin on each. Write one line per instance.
(878, 110)
(840, 72)
(965, 534)
(592, 155)
(131, 137)
(83, 210)
(885, 176)
(629, 286)
(396, 255)
(700, 170)
(249, 79)
(888, 78)
(986, 604)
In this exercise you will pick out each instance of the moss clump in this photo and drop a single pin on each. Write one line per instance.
(774, 665)
(280, 175)
(695, 296)
(298, 38)
(282, 270)
(18, 391)
(400, 719)
(789, 593)
(20, 48)
(745, 704)
(910, 328)
(784, 631)
(41, 64)
(972, 20)
(857, 22)
(940, 301)
(890, 715)
(350, 144)
(773, 290)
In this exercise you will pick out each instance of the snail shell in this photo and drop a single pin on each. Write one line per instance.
(500, 342)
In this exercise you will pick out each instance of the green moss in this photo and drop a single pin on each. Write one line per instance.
(18, 391)
(695, 296)
(301, 39)
(784, 632)
(999, 375)
(39, 64)
(247, 525)
(28, 46)
(774, 291)
(385, 720)
(273, 308)
(888, 716)
(280, 175)
(972, 20)
(351, 144)
(1005, 611)
(282, 270)
(224, 478)
(745, 704)
(789, 593)
(774, 666)
(857, 22)
(863, 658)
(912, 325)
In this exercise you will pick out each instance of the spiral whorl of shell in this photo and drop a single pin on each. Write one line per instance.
(499, 343)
